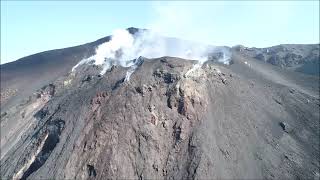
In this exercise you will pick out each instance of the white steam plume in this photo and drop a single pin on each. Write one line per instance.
(124, 47)
(169, 19)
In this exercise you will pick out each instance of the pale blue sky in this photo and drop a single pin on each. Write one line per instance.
(31, 27)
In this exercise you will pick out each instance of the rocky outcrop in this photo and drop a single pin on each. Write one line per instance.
(171, 120)
(301, 58)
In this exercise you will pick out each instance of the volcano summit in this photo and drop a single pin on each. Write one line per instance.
(137, 105)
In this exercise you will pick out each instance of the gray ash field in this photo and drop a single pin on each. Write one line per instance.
(253, 119)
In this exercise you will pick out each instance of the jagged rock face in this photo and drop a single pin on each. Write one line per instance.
(166, 122)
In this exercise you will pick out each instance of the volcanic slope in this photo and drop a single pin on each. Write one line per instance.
(302, 58)
(248, 120)
(24, 76)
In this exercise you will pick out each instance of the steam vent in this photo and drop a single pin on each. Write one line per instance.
(138, 105)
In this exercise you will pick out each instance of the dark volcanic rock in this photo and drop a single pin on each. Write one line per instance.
(167, 122)
(163, 124)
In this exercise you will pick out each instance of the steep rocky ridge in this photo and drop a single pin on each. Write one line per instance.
(167, 122)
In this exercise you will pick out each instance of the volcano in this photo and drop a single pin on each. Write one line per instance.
(65, 116)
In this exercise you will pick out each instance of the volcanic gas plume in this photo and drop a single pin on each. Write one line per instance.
(124, 47)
